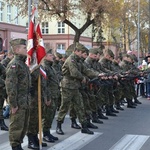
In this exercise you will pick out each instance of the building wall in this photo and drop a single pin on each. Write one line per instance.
(10, 31)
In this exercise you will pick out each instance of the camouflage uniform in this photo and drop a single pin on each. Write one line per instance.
(50, 92)
(18, 83)
(5, 61)
(2, 90)
(109, 94)
(127, 82)
(3, 94)
(57, 66)
(70, 84)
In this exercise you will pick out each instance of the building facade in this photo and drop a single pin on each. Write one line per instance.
(56, 35)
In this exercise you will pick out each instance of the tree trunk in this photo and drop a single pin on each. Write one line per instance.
(77, 36)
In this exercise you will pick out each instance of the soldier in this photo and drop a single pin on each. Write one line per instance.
(127, 91)
(57, 66)
(32, 131)
(3, 96)
(50, 94)
(106, 63)
(7, 59)
(18, 83)
(70, 84)
(90, 63)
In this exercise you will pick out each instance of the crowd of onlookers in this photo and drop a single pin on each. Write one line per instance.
(143, 83)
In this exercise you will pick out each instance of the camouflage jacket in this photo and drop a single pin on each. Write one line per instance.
(51, 82)
(5, 61)
(74, 72)
(57, 66)
(107, 64)
(2, 74)
(18, 82)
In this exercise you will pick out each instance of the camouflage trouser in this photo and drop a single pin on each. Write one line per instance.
(100, 97)
(71, 97)
(127, 89)
(1, 106)
(33, 117)
(133, 92)
(111, 95)
(86, 104)
(49, 114)
(18, 126)
(118, 93)
(3, 96)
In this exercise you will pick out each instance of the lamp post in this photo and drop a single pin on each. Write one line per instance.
(138, 41)
(29, 11)
(149, 30)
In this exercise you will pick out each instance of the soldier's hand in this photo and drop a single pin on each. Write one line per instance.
(101, 75)
(84, 80)
(110, 77)
(14, 110)
(116, 77)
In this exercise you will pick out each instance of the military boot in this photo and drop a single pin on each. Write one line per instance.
(113, 110)
(58, 128)
(3, 125)
(74, 124)
(100, 114)
(90, 125)
(95, 118)
(31, 142)
(37, 141)
(129, 104)
(137, 101)
(109, 112)
(20, 147)
(54, 137)
(118, 107)
(47, 137)
(85, 129)
(17, 148)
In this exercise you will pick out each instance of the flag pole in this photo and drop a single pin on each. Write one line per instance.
(39, 112)
(39, 92)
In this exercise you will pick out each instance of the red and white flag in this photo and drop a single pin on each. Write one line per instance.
(35, 47)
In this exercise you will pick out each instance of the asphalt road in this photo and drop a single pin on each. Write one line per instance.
(130, 130)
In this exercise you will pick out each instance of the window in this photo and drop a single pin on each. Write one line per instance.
(8, 13)
(61, 27)
(45, 28)
(16, 15)
(1, 12)
(60, 46)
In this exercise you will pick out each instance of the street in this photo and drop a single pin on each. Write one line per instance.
(130, 130)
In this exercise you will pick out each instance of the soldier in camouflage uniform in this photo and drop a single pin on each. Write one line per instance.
(8, 58)
(50, 94)
(90, 62)
(86, 100)
(118, 92)
(106, 62)
(33, 128)
(133, 66)
(18, 82)
(57, 66)
(70, 84)
(3, 96)
(127, 82)
(100, 91)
